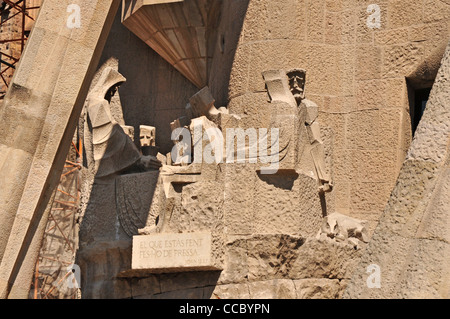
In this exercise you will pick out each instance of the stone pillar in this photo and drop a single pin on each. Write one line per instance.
(37, 122)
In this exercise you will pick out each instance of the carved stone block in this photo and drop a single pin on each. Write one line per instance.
(129, 130)
(314, 133)
(202, 104)
(312, 111)
(278, 86)
(147, 136)
(342, 228)
(168, 253)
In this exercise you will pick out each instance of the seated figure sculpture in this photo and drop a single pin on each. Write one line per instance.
(114, 150)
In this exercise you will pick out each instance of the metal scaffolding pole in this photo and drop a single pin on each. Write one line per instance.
(9, 11)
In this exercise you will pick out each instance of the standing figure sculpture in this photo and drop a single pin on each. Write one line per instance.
(288, 88)
(309, 113)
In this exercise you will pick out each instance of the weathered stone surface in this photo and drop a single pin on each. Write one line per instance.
(233, 291)
(320, 288)
(134, 195)
(325, 259)
(259, 257)
(410, 245)
(272, 289)
(264, 227)
(54, 98)
(173, 252)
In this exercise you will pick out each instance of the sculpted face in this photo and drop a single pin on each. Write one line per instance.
(147, 136)
(297, 79)
(111, 92)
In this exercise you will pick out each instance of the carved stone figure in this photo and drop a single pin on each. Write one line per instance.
(147, 136)
(184, 148)
(309, 112)
(342, 228)
(297, 80)
(278, 86)
(202, 104)
(129, 130)
(114, 151)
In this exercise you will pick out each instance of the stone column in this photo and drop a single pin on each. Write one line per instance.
(37, 122)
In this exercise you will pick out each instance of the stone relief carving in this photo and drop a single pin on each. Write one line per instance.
(182, 146)
(129, 130)
(201, 109)
(344, 229)
(289, 87)
(115, 153)
(278, 86)
(134, 194)
(147, 135)
(202, 104)
(113, 149)
(317, 148)
(297, 81)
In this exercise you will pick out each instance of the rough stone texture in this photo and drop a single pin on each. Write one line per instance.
(318, 288)
(264, 227)
(46, 99)
(411, 242)
(361, 70)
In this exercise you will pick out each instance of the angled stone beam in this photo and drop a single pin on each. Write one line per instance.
(408, 255)
(37, 122)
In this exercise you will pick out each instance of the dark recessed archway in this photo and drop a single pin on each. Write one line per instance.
(420, 83)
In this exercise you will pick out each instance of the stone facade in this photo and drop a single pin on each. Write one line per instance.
(330, 87)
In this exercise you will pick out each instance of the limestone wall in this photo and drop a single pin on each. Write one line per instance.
(410, 246)
(355, 74)
(266, 226)
(154, 94)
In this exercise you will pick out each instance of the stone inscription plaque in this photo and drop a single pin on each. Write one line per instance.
(172, 252)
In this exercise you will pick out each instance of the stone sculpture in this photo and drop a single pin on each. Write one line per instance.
(114, 151)
(202, 104)
(147, 136)
(182, 147)
(134, 194)
(289, 87)
(278, 86)
(341, 228)
(297, 80)
(129, 130)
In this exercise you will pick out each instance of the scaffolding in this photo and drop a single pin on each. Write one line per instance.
(54, 276)
(54, 273)
(19, 14)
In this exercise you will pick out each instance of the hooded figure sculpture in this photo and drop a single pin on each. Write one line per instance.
(114, 151)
